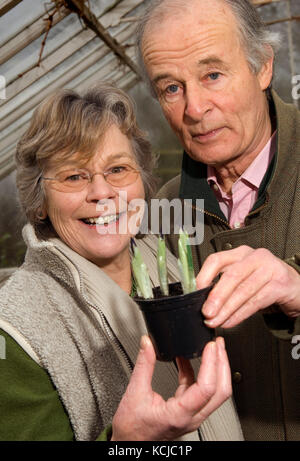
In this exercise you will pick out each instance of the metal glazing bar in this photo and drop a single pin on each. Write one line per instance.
(92, 23)
(6, 5)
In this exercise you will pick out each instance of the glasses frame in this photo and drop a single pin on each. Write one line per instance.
(90, 177)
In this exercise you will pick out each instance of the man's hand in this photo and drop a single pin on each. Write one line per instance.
(145, 415)
(251, 280)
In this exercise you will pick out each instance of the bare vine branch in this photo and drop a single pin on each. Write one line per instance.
(277, 21)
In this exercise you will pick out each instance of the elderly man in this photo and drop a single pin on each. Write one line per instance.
(210, 64)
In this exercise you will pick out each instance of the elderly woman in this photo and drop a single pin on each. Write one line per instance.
(76, 367)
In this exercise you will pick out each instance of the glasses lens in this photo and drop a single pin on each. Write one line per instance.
(121, 175)
(72, 180)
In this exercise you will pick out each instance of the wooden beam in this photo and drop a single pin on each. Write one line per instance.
(23, 38)
(29, 34)
(277, 21)
(17, 105)
(92, 23)
(53, 61)
(14, 110)
(6, 5)
(263, 2)
(125, 81)
(119, 11)
(65, 51)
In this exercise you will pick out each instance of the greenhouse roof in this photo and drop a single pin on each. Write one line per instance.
(45, 46)
(61, 43)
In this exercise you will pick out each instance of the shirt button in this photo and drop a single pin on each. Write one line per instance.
(237, 225)
(227, 246)
(237, 377)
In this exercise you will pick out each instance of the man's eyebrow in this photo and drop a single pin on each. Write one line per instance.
(211, 60)
(202, 62)
(161, 77)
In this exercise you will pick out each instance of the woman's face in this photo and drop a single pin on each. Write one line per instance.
(73, 214)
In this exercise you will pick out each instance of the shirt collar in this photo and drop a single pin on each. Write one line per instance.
(257, 169)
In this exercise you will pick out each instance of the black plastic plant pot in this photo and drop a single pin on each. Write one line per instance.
(175, 323)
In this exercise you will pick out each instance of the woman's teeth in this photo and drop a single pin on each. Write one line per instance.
(101, 220)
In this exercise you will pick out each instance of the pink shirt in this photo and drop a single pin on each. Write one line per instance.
(245, 190)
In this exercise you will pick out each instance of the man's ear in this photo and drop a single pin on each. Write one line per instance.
(266, 72)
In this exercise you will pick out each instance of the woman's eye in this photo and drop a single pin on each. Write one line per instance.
(117, 169)
(75, 177)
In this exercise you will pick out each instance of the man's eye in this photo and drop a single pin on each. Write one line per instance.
(172, 89)
(214, 75)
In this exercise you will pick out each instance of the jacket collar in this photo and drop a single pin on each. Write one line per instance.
(193, 176)
(194, 185)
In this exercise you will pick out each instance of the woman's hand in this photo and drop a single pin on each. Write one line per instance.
(145, 415)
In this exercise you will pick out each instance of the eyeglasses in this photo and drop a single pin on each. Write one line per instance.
(75, 180)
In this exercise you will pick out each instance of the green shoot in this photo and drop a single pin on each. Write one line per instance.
(185, 263)
(141, 274)
(162, 266)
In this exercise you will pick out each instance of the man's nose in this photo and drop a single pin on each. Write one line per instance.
(99, 189)
(197, 103)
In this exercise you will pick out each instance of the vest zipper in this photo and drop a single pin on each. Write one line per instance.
(109, 333)
(115, 340)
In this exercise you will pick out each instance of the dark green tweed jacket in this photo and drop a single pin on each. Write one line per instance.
(265, 375)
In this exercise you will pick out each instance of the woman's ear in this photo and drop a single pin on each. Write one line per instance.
(42, 212)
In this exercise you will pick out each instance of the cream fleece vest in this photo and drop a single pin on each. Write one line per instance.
(79, 325)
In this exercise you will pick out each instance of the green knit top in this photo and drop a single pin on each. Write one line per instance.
(30, 407)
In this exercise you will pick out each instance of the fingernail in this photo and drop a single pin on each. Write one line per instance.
(209, 323)
(145, 341)
(221, 342)
(209, 309)
(213, 346)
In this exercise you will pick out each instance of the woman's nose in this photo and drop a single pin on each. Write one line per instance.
(100, 189)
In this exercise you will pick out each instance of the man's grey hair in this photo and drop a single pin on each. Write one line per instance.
(258, 41)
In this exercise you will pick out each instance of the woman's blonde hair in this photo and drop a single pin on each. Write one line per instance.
(67, 125)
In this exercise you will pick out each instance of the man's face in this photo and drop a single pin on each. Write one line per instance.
(209, 95)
